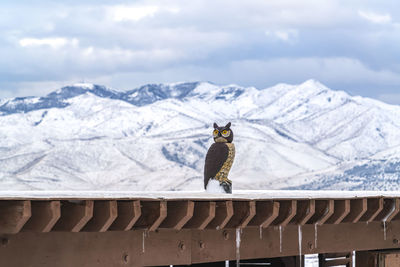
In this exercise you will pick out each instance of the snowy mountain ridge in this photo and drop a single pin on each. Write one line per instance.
(155, 137)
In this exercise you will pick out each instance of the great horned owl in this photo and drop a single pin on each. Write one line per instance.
(219, 160)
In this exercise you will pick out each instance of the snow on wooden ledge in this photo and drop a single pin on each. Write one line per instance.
(196, 195)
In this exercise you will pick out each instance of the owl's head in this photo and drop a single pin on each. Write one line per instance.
(223, 134)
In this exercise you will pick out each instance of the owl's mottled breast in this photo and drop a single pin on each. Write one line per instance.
(222, 174)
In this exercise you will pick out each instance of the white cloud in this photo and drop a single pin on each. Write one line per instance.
(283, 35)
(121, 60)
(374, 17)
(197, 40)
(326, 69)
(54, 43)
(135, 13)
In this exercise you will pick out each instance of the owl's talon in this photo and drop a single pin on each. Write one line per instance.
(227, 187)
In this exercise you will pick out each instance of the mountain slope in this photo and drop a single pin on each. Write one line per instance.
(155, 137)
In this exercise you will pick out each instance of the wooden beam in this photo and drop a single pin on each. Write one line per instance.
(243, 212)
(74, 215)
(128, 214)
(153, 214)
(179, 213)
(390, 209)
(358, 207)
(341, 210)
(204, 213)
(374, 207)
(223, 213)
(14, 215)
(323, 210)
(45, 214)
(266, 213)
(104, 214)
(287, 211)
(305, 210)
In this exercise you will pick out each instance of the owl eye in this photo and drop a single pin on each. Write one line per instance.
(215, 133)
(225, 133)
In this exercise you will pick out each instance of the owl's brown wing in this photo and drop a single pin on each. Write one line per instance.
(215, 158)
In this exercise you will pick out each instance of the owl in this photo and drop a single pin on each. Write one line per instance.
(219, 160)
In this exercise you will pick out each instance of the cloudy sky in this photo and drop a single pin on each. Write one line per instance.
(347, 45)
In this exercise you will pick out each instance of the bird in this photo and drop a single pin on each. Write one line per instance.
(219, 160)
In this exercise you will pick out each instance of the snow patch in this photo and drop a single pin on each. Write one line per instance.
(213, 186)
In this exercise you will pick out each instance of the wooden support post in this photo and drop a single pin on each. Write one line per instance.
(305, 210)
(390, 209)
(243, 212)
(14, 215)
(153, 214)
(128, 213)
(323, 210)
(104, 214)
(374, 207)
(45, 214)
(287, 211)
(74, 215)
(358, 207)
(204, 212)
(341, 210)
(179, 213)
(266, 213)
(223, 213)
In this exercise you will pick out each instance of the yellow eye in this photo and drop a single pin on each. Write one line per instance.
(226, 133)
(215, 133)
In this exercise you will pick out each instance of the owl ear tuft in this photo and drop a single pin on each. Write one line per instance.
(228, 125)
(215, 126)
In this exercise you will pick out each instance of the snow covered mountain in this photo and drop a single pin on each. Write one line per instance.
(155, 137)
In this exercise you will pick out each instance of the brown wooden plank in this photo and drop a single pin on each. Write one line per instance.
(128, 213)
(366, 258)
(395, 210)
(341, 210)
(287, 211)
(374, 207)
(223, 213)
(243, 212)
(104, 214)
(323, 210)
(391, 208)
(266, 213)
(188, 246)
(153, 214)
(14, 215)
(250, 215)
(358, 207)
(74, 215)
(391, 259)
(161, 217)
(204, 212)
(179, 213)
(45, 214)
(305, 210)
